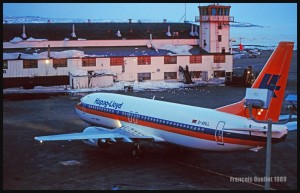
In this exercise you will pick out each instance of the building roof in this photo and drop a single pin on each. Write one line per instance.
(128, 51)
(98, 31)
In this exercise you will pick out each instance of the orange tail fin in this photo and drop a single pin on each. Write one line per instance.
(274, 77)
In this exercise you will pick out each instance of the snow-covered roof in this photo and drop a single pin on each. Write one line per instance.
(97, 31)
(58, 53)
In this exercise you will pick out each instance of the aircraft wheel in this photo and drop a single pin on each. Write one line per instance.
(137, 151)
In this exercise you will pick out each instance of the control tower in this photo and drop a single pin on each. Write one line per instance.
(214, 28)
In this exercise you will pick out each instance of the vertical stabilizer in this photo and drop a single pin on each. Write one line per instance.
(274, 77)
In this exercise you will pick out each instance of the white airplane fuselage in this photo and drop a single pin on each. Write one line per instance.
(183, 125)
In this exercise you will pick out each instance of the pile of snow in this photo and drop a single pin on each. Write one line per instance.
(78, 72)
(70, 163)
(44, 55)
(35, 40)
(31, 39)
(178, 50)
(105, 72)
(66, 54)
(16, 40)
(156, 85)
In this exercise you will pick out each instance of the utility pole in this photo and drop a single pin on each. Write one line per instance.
(269, 142)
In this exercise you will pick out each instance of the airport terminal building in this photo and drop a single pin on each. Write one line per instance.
(91, 54)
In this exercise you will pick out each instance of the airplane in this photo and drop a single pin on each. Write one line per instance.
(115, 118)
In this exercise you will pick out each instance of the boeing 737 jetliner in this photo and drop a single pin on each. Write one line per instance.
(115, 117)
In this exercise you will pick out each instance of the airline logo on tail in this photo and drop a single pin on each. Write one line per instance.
(269, 82)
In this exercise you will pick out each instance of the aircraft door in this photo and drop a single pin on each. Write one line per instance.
(219, 133)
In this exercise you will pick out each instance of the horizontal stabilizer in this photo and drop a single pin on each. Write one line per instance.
(256, 149)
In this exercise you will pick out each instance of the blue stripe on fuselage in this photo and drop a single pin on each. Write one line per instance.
(175, 124)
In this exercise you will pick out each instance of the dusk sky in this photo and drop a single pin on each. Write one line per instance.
(256, 13)
(278, 20)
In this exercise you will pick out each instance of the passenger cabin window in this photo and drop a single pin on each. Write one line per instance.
(117, 61)
(30, 63)
(88, 62)
(60, 63)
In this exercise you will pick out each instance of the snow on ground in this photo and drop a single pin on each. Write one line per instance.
(137, 87)
(118, 86)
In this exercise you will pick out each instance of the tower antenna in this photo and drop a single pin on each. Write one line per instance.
(184, 12)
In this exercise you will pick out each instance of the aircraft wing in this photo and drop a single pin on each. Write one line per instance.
(126, 133)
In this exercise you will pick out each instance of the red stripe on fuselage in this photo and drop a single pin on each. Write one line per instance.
(172, 129)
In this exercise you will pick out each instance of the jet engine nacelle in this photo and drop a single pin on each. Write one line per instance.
(100, 143)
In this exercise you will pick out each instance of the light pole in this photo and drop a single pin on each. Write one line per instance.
(269, 140)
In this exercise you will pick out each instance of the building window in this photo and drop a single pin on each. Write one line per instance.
(170, 75)
(144, 76)
(219, 58)
(59, 63)
(219, 38)
(196, 74)
(116, 61)
(219, 73)
(170, 59)
(220, 26)
(223, 50)
(144, 60)
(30, 63)
(5, 64)
(88, 61)
(195, 59)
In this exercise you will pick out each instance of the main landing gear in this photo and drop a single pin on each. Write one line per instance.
(137, 150)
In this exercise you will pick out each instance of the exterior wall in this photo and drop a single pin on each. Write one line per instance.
(210, 32)
(103, 43)
(157, 67)
(205, 36)
(101, 81)
(78, 82)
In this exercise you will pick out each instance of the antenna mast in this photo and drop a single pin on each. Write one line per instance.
(184, 12)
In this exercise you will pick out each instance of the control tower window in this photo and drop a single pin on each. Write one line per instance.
(220, 11)
(213, 11)
(226, 11)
